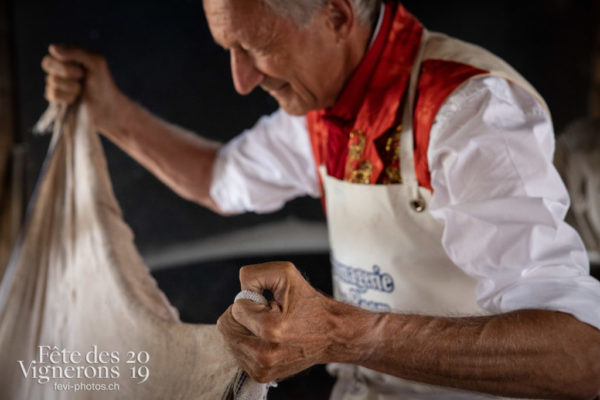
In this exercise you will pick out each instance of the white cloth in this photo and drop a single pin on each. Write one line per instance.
(76, 283)
(496, 192)
(242, 387)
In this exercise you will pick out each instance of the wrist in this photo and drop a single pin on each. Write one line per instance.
(113, 123)
(355, 333)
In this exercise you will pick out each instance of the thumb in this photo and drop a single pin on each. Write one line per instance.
(73, 54)
(262, 320)
(275, 276)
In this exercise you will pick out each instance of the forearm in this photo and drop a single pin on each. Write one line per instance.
(180, 159)
(530, 353)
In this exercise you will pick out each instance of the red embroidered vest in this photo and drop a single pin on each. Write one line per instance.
(357, 139)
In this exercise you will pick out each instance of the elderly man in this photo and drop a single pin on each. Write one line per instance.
(454, 272)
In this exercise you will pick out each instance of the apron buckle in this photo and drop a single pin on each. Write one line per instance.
(418, 205)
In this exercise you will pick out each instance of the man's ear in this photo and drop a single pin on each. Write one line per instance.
(341, 17)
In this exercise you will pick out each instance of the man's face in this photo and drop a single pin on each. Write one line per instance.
(301, 67)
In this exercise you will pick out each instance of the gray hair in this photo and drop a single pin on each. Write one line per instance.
(302, 11)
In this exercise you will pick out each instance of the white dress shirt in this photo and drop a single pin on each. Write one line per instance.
(495, 190)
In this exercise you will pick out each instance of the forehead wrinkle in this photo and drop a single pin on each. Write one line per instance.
(248, 22)
(259, 29)
(219, 17)
(264, 34)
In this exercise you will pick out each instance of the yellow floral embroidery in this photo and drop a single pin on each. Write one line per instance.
(362, 173)
(357, 145)
(393, 174)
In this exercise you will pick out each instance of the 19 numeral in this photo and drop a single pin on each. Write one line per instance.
(139, 371)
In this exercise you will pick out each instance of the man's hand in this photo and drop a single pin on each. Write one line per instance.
(181, 159)
(73, 72)
(524, 354)
(293, 332)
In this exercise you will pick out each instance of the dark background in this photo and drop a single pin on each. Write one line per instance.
(161, 54)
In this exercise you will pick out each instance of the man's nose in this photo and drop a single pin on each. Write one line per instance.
(245, 75)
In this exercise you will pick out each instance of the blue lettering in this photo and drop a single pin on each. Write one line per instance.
(364, 280)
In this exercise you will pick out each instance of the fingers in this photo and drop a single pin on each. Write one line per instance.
(246, 347)
(62, 69)
(61, 90)
(72, 54)
(283, 337)
(279, 321)
(264, 322)
(55, 95)
(274, 276)
(66, 85)
(65, 68)
(263, 361)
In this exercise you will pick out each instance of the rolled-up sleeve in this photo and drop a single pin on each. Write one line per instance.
(265, 166)
(502, 202)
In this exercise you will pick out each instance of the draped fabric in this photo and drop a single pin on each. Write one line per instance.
(76, 283)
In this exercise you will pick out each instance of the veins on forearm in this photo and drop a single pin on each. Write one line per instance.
(529, 353)
(179, 158)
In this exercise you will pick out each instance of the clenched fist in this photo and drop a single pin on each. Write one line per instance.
(73, 73)
(298, 328)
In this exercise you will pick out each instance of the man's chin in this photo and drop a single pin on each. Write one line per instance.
(294, 111)
(293, 107)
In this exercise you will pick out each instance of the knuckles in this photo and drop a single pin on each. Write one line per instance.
(263, 369)
(224, 323)
(55, 95)
(45, 63)
(244, 272)
(272, 333)
(269, 359)
(261, 375)
(68, 85)
(285, 267)
(266, 360)
(220, 324)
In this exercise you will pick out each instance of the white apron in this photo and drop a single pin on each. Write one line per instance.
(386, 247)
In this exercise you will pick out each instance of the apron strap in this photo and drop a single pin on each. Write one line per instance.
(407, 146)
